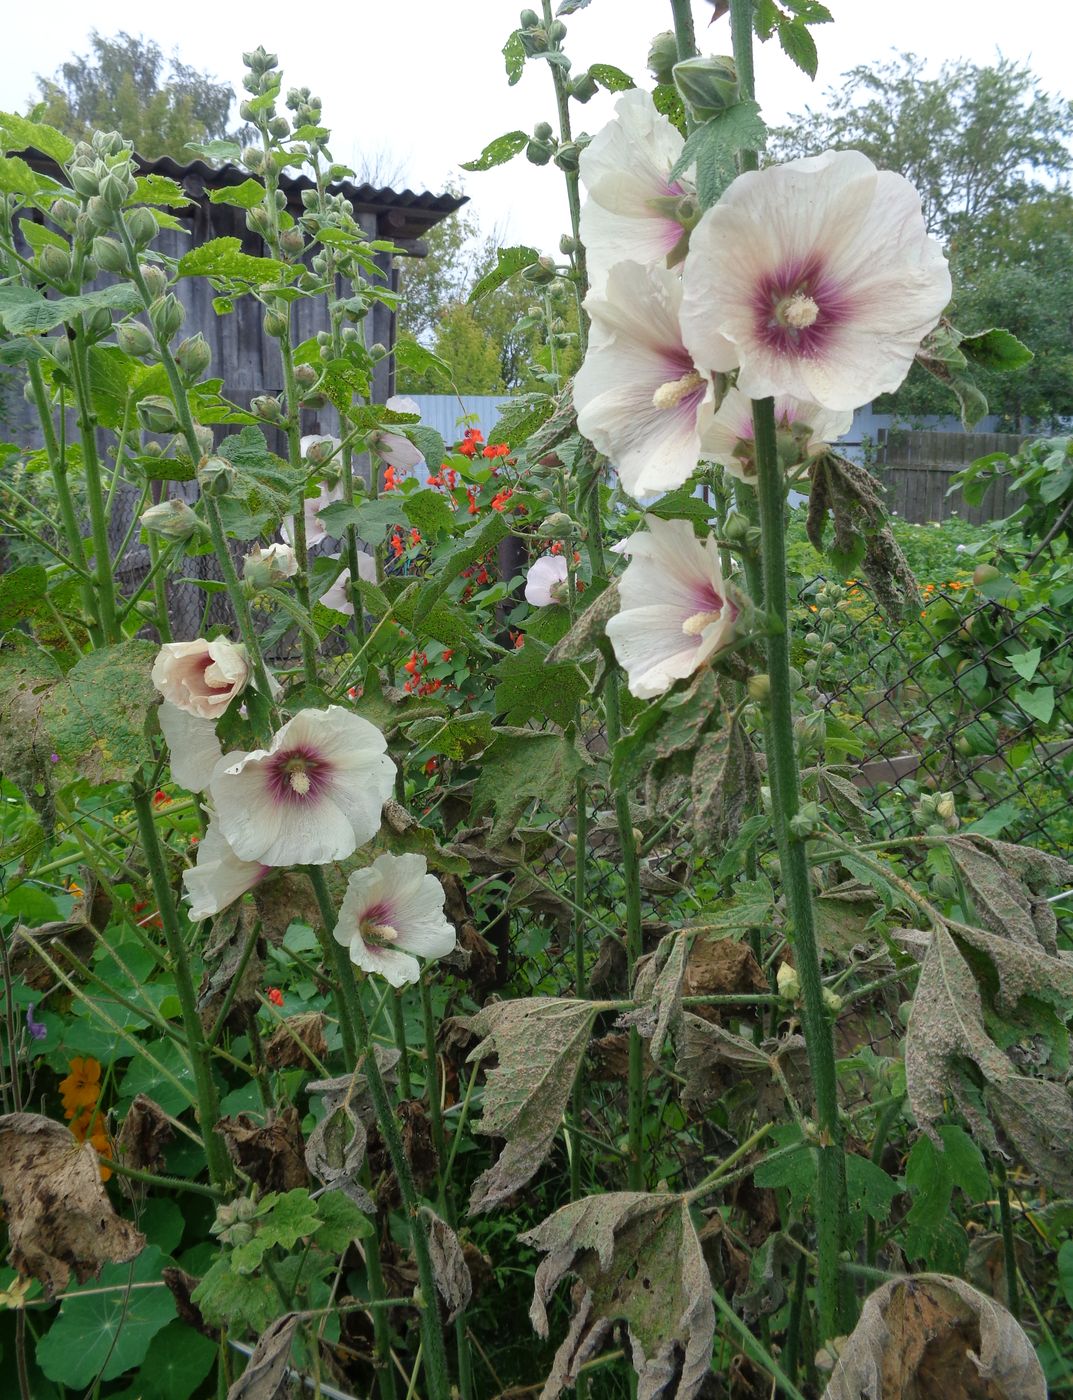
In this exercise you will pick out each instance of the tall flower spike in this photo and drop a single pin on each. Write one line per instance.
(818, 276)
(391, 910)
(640, 398)
(675, 610)
(629, 213)
(314, 796)
(730, 438)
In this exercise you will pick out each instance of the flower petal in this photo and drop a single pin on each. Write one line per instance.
(192, 744)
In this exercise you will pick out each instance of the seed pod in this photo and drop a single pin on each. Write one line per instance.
(267, 408)
(538, 153)
(173, 519)
(707, 86)
(662, 56)
(583, 87)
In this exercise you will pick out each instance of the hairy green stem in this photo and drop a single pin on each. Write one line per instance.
(398, 1025)
(1009, 1247)
(104, 583)
(573, 189)
(208, 1103)
(684, 33)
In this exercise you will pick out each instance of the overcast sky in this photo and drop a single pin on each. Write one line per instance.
(421, 82)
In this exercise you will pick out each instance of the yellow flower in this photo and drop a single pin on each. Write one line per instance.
(82, 1086)
(14, 1296)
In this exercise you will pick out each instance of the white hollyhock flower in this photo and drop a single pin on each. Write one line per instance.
(730, 438)
(639, 397)
(264, 567)
(395, 450)
(545, 581)
(315, 795)
(311, 509)
(337, 597)
(629, 213)
(219, 877)
(192, 745)
(201, 677)
(821, 276)
(392, 909)
(675, 610)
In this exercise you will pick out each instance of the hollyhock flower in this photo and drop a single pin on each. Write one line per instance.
(264, 567)
(392, 909)
(311, 509)
(394, 449)
(337, 597)
(629, 213)
(730, 438)
(219, 877)
(192, 744)
(675, 610)
(545, 580)
(201, 677)
(315, 795)
(821, 276)
(640, 398)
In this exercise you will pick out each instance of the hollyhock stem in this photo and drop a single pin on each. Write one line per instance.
(200, 1056)
(98, 519)
(684, 33)
(784, 781)
(573, 187)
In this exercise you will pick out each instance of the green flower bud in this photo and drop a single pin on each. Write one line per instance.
(172, 519)
(759, 688)
(267, 408)
(134, 339)
(831, 1000)
(811, 730)
(205, 439)
(275, 324)
(55, 262)
(98, 324)
(166, 316)
(60, 348)
(84, 181)
(99, 213)
(788, 982)
(528, 19)
(141, 226)
(292, 242)
(63, 214)
(377, 351)
(265, 568)
(542, 131)
(216, 476)
(538, 153)
(812, 639)
(735, 528)
(279, 127)
(534, 40)
(247, 111)
(157, 414)
(253, 158)
(568, 155)
(305, 375)
(708, 85)
(583, 87)
(109, 255)
(662, 56)
(156, 280)
(193, 356)
(541, 272)
(557, 32)
(115, 188)
(806, 821)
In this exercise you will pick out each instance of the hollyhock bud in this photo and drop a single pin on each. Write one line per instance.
(662, 56)
(157, 414)
(109, 255)
(538, 152)
(708, 86)
(201, 677)
(275, 324)
(85, 181)
(583, 87)
(292, 242)
(173, 519)
(55, 262)
(134, 339)
(141, 226)
(167, 314)
(264, 568)
(267, 408)
(541, 272)
(788, 983)
(216, 476)
(156, 279)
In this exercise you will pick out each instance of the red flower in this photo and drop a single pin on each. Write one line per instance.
(496, 449)
(275, 996)
(472, 500)
(448, 652)
(452, 477)
(415, 536)
(389, 478)
(431, 765)
(396, 544)
(500, 500)
(557, 547)
(161, 798)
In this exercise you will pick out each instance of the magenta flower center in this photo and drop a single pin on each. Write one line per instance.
(798, 306)
(709, 608)
(297, 776)
(376, 927)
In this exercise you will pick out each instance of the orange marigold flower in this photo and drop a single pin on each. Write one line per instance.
(82, 1087)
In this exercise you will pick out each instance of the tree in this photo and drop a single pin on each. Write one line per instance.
(989, 153)
(127, 85)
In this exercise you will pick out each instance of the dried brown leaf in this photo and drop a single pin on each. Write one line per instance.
(539, 1043)
(934, 1335)
(297, 1041)
(657, 990)
(145, 1132)
(1006, 884)
(269, 1153)
(449, 1265)
(336, 1147)
(636, 1258)
(58, 1214)
(725, 784)
(266, 1369)
(721, 967)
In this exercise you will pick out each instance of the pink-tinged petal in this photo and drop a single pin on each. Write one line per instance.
(396, 450)
(396, 967)
(192, 745)
(220, 877)
(201, 677)
(545, 576)
(652, 649)
(821, 274)
(729, 438)
(391, 909)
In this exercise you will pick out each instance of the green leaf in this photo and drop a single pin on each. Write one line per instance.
(411, 357)
(431, 446)
(796, 1172)
(714, 146)
(108, 1331)
(1026, 663)
(995, 349)
(799, 46)
(144, 1078)
(230, 1299)
(34, 314)
(1065, 1271)
(290, 1217)
(371, 518)
(529, 688)
(223, 258)
(514, 58)
(265, 489)
(457, 737)
(341, 1222)
(478, 541)
(342, 379)
(40, 235)
(610, 78)
(177, 1361)
(97, 716)
(1039, 703)
(499, 151)
(868, 1188)
(508, 262)
(21, 591)
(218, 152)
(158, 189)
(20, 133)
(247, 195)
(18, 178)
(110, 374)
(428, 511)
(519, 768)
(682, 504)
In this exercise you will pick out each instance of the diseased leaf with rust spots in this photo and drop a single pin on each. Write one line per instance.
(336, 1147)
(453, 1281)
(947, 1027)
(936, 1335)
(637, 1259)
(266, 1369)
(657, 991)
(59, 1216)
(539, 1043)
(1006, 884)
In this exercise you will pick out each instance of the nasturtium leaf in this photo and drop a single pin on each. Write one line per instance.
(178, 1360)
(539, 1044)
(508, 262)
(145, 1077)
(638, 1260)
(498, 152)
(108, 1331)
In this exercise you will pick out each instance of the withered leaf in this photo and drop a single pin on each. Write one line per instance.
(269, 1153)
(295, 1040)
(145, 1133)
(657, 990)
(59, 1216)
(721, 967)
(947, 1027)
(230, 932)
(266, 1369)
(725, 786)
(539, 1043)
(936, 1335)
(705, 1052)
(582, 642)
(336, 1147)
(449, 1265)
(1003, 880)
(636, 1258)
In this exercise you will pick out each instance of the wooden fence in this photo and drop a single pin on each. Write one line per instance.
(917, 468)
